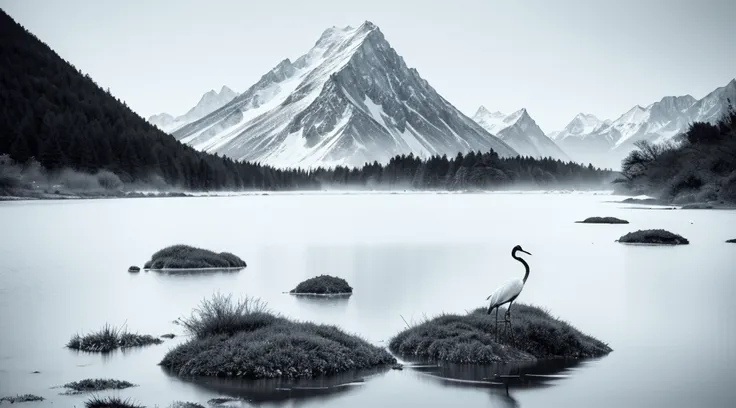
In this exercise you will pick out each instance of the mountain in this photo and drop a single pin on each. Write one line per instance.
(607, 143)
(350, 100)
(51, 112)
(210, 102)
(520, 132)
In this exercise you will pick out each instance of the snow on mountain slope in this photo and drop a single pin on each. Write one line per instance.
(521, 132)
(350, 100)
(208, 103)
(606, 144)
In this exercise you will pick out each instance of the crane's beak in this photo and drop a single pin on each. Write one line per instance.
(524, 252)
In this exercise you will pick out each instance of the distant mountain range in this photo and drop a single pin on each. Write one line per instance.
(210, 102)
(605, 143)
(349, 100)
(521, 132)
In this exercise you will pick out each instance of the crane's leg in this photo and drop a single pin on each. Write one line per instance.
(508, 317)
(497, 324)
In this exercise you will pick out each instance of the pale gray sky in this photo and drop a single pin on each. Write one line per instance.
(556, 58)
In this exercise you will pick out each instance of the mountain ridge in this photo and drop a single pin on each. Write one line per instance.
(606, 144)
(520, 131)
(349, 100)
(209, 102)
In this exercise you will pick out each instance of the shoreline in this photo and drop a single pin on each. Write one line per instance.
(33, 196)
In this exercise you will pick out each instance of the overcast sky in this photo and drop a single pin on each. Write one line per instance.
(556, 58)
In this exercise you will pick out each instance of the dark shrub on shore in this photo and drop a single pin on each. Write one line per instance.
(323, 285)
(603, 220)
(654, 236)
(21, 398)
(110, 402)
(188, 257)
(110, 338)
(243, 339)
(97, 384)
(471, 338)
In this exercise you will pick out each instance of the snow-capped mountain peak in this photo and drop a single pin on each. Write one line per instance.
(520, 131)
(209, 102)
(350, 99)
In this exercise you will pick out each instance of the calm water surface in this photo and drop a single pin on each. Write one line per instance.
(668, 312)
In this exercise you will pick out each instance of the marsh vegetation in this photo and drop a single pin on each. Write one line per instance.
(603, 220)
(189, 257)
(653, 236)
(323, 285)
(471, 338)
(110, 338)
(244, 339)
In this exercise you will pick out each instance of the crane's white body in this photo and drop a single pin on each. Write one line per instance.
(505, 293)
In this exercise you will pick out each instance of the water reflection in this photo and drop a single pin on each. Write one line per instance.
(196, 272)
(326, 301)
(523, 374)
(318, 389)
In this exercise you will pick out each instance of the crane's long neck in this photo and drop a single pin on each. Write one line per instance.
(523, 262)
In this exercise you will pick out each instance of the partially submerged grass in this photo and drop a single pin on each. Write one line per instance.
(185, 404)
(110, 338)
(471, 338)
(21, 398)
(603, 220)
(243, 339)
(323, 285)
(97, 384)
(188, 257)
(653, 236)
(110, 402)
(731, 241)
(223, 315)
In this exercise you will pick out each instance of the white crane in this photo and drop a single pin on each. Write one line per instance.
(508, 292)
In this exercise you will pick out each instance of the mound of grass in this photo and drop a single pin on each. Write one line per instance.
(185, 404)
(110, 338)
(653, 236)
(603, 220)
(97, 384)
(188, 257)
(471, 338)
(323, 285)
(243, 339)
(134, 269)
(21, 398)
(110, 402)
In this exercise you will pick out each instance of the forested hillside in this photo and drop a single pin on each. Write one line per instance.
(700, 166)
(51, 111)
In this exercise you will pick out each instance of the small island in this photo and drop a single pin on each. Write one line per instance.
(731, 241)
(21, 398)
(471, 338)
(323, 285)
(99, 384)
(110, 338)
(134, 269)
(653, 236)
(243, 339)
(602, 220)
(189, 257)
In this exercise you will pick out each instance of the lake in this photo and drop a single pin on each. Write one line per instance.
(667, 312)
